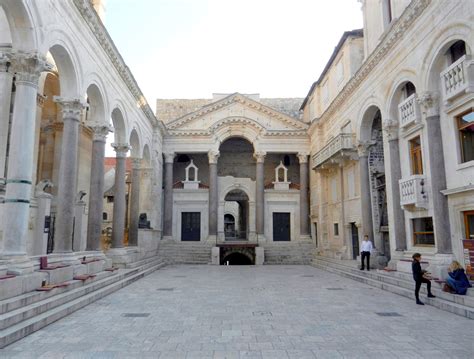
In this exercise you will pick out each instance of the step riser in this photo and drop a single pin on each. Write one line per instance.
(89, 296)
(467, 312)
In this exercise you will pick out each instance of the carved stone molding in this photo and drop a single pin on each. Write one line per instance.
(100, 131)
(28, 67)
(429, 102)
(5, 60)
(390, 127)
(121, 149)
(71, 108)
(363, 148)
(260, 156)
(40, 100)
(303, 157)
(213, 156)
(169, 156)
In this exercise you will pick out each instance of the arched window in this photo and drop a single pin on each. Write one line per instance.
(457, 50)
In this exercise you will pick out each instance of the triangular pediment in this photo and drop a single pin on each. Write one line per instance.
(237, 109)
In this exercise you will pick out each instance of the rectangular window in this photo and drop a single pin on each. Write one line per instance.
(415, 156)
(469, 224)
(423, 234)
(466, 136)
(336, 229)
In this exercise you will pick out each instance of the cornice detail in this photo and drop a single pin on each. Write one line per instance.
(98, 29)
(400, 26)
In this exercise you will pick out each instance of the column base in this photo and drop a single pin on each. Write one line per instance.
(121, 257)
(18, 265)
(216, 256)
(304, 238)
(259, 256)
(212, 238)
(167, 238)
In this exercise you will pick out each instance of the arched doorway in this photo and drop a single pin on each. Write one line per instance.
(236, 202)
(237, 258)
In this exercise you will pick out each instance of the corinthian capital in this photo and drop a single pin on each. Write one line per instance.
(70, 107)
(303, 157)
(169, 157)
(213, 156)
(100, 131)
(390, 127)
(28, 66)
(5, 60)
(121, 149)
(260, 156)
(429, 102)
(363, 148)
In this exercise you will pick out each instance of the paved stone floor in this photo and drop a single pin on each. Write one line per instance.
(251, 312)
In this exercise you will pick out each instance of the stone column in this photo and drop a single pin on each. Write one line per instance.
(71, 110)
(397, 228)
(118, 224)
(442, 231)
(96, 189)
(168, 210)
(134, 203)
(6, 79)
(304, 202)
(213, 156)
(27, 67)
(365, 198)
(260, 195)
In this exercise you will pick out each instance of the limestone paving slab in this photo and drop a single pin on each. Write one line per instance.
(250, 312)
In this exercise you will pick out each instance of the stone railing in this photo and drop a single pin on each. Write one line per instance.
(414, 191)
(335, 146)
(458, 78)
(409, 111)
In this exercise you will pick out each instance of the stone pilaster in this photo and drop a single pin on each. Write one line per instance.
(96, 190)
(304, 200)
(260, 195)
(365, 198)
(397, 228)
(168, 210)
(118, 224)
(213, 157)
(6, 79)
(442, 231)
(28, 67)
(134, 202)
(71, 112)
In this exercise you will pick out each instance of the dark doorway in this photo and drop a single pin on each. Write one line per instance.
(281, 226)
(236, 258)
(190, 226)
(355, 241)
(239, 202)
(229, 226)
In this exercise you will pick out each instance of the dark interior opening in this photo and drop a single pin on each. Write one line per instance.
(237, 259)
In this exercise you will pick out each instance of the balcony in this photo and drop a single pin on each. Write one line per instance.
(458, 78)
(409, 112)
(340, 146)
(414, 191)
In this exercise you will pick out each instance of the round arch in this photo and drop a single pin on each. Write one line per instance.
(146, 156)
(365, 128)
(93, 79)
(20, 26)
(395, 96)
(68, 78)
(96, 111)
(135, 142)
(119, 124)
(237, 127)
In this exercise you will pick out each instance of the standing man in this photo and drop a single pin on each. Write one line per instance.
(365, 250)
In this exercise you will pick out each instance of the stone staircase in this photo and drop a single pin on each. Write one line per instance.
(26, 313)
(400, 283)
(288, 253)
(185, 252)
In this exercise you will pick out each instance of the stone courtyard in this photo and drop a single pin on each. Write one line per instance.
(198, 311)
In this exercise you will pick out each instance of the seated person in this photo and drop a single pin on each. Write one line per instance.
(457, 280)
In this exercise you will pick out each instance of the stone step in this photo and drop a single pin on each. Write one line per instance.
(447, 303)
(24, 321)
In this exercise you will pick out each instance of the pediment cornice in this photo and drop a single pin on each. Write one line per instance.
(239, 99)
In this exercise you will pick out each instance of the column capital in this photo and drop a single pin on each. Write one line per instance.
(136, 163)
(71, 108)
(169, 157)
(213, 156)
(100, 131)
(303, 157)
(260, 156)
(429, 102)
(363, 148)
(390, 127)
(28, 66)
(121, 149)
(5, 60)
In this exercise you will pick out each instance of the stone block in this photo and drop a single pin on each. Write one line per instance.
(59, 275)
(19, 285)
(259, 256)
(94, 267)
(215, 256)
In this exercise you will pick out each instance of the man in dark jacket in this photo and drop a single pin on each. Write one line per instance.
(419, 278)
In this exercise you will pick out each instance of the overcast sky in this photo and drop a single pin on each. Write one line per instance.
(192, 48)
